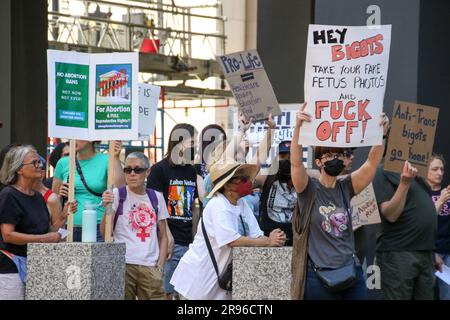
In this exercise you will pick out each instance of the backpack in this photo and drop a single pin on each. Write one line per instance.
(123, 195)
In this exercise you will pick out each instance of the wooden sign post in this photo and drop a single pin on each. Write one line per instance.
(72, 155)
(108, 209)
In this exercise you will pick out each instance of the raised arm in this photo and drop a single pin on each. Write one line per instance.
(264, 147)
(362, 177)
(298, 170)
(392, 209)
(233, 146)
(119, 176)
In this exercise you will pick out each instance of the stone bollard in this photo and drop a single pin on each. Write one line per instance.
(261, 273)
(75, 271)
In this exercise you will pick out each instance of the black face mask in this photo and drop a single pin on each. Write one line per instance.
(334, 167)
(284, 170)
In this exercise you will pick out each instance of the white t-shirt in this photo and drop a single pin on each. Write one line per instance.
(195, 277)
(137, 227)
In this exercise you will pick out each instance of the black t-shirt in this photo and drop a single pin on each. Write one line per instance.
(443, 233)
(179, 186)
(29, 214)
(200, 168)
(415, 228)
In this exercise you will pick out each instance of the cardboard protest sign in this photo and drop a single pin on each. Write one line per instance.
(148, 106)
(249, 84)
(411, 137)
(365, 208)
(345, 80)
(92, 96)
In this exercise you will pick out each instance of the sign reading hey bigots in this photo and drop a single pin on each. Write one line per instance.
(249, 84)
(345, 81)
(411, 137)
(148, 105)
(92, 96)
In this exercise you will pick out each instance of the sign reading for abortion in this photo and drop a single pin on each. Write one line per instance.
(345, 80)
(90, 99)
(411, 137)
(249, 84)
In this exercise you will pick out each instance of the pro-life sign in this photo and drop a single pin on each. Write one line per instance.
(249, 84)
(345, 81)
(92, 96)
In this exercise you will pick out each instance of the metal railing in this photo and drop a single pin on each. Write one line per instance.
(167, 36)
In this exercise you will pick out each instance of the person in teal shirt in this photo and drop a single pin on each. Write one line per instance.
(94, 168)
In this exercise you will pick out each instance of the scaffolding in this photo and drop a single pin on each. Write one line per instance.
(161, 31)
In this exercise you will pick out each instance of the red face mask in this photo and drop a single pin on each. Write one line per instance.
(243, 187)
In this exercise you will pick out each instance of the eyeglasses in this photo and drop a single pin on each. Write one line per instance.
(66, 154)
(136, 170)
(332, 156)
(36, 163)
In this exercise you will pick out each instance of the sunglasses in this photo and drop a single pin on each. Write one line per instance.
(36, 163)
(136, 170)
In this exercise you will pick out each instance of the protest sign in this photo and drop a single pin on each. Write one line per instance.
(249, 84)
(92, 96)
(148, 105)
(345, 80)
(365, 208)
(411, 137)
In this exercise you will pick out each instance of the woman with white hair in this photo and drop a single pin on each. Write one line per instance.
(227, 222)
(24, 218)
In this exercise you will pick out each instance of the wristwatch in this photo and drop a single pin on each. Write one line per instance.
(159, 269)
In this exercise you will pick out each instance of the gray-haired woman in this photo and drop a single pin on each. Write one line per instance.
(24, 218)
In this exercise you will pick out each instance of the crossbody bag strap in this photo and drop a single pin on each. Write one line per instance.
(347, 207)
(208, 245)
(80, 173)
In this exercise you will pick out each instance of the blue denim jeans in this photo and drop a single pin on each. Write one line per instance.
(444, 289)
(77, 234)
(171, 265)
(315, 290)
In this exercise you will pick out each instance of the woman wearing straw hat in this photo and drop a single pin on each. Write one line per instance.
(228, 222)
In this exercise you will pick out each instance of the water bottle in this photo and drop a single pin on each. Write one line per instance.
(89, 226)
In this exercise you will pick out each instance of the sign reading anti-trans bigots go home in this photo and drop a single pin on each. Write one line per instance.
(93, 96)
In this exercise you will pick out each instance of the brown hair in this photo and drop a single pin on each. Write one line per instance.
(175, 137)
(320, 151)
(435, 156)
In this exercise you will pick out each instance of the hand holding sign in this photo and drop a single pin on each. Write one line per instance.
(244, 123)
(270, 123)
(384, 123)
(302, 115)
(408, 173)
(117, 148)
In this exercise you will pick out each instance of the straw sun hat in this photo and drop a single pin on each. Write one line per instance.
(222, 172)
